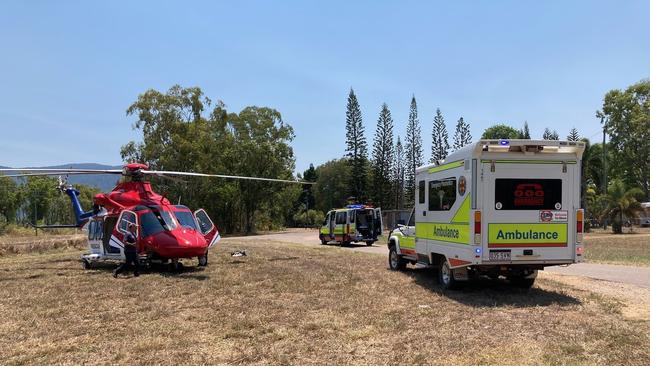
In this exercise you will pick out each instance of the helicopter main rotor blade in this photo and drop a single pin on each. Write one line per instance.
(62, 171)
(163, 173)
(48, 174)
(26, 172)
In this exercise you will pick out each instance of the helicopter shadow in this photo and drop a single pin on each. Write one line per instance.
(184, 272)
(485, 292)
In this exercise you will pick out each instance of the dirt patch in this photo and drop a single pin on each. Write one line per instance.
(632, 301)
(292, 304)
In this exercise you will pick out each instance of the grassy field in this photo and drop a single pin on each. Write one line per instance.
(291, 304)
(630, 249)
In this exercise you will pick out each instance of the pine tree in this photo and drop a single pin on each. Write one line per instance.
(382, 158)
(413, 151)
(548, 135)
(525, 132)
(356, 148)
(462, 136)
(573, 135)
(439, 137)
(398, 174)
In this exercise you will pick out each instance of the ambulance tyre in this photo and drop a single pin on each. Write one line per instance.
(446, 276)
(370, 242)
(86, 264)
(395, 261)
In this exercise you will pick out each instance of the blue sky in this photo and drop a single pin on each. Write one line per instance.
(70, 69)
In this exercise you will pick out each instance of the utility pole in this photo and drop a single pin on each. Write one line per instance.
(35, 220)
(602, 120)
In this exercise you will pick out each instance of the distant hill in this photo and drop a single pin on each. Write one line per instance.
(104, 182)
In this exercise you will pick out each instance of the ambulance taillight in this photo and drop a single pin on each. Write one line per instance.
(477, 227)
(580, 215)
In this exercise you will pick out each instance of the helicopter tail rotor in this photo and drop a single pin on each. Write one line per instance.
(62, 183)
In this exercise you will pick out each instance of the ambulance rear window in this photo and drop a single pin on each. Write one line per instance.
(528, 194)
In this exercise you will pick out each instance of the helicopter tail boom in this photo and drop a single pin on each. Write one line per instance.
(80, 215)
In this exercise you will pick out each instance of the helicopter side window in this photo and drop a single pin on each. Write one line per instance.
(205, 224)
(91, 230)
(100, 230)
(127, 218)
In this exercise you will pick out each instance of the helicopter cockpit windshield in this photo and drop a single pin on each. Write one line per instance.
(185, 219)
(156, 221)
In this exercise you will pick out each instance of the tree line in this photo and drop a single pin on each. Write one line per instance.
(36, 200)
(182, 129)
(386, 175)
(611, 192)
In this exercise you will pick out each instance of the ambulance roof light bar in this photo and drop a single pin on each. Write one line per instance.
(532, 146)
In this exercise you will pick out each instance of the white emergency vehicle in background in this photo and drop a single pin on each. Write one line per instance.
(353, 223)
(496, 208)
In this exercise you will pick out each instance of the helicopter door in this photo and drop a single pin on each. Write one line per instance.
(122, 228)
(207, 227)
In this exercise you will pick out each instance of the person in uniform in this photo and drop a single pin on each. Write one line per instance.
(130, 253)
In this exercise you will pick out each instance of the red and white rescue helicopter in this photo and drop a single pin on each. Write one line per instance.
(165, 232)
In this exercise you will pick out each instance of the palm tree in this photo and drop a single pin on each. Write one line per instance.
(621, 202)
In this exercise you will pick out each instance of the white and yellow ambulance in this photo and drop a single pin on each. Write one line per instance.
(496, 208)
(353, 223)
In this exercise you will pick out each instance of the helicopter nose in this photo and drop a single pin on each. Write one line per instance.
(190, 238)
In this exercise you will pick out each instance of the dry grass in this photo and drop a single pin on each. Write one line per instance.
(631, 249)
(40, 244)
(291, 304)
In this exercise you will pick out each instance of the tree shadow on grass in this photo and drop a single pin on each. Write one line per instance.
(485, 292)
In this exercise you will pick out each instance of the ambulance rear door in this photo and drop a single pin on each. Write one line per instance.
(529, 210)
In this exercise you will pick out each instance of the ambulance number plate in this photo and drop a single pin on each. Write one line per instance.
(500, 255)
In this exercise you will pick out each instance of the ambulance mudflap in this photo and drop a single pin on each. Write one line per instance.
(529, 219)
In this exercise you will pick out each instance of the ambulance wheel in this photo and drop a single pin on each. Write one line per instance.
(446, 276)
(203, 260)
(369, 243)
(395, 261)
(86, 264)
